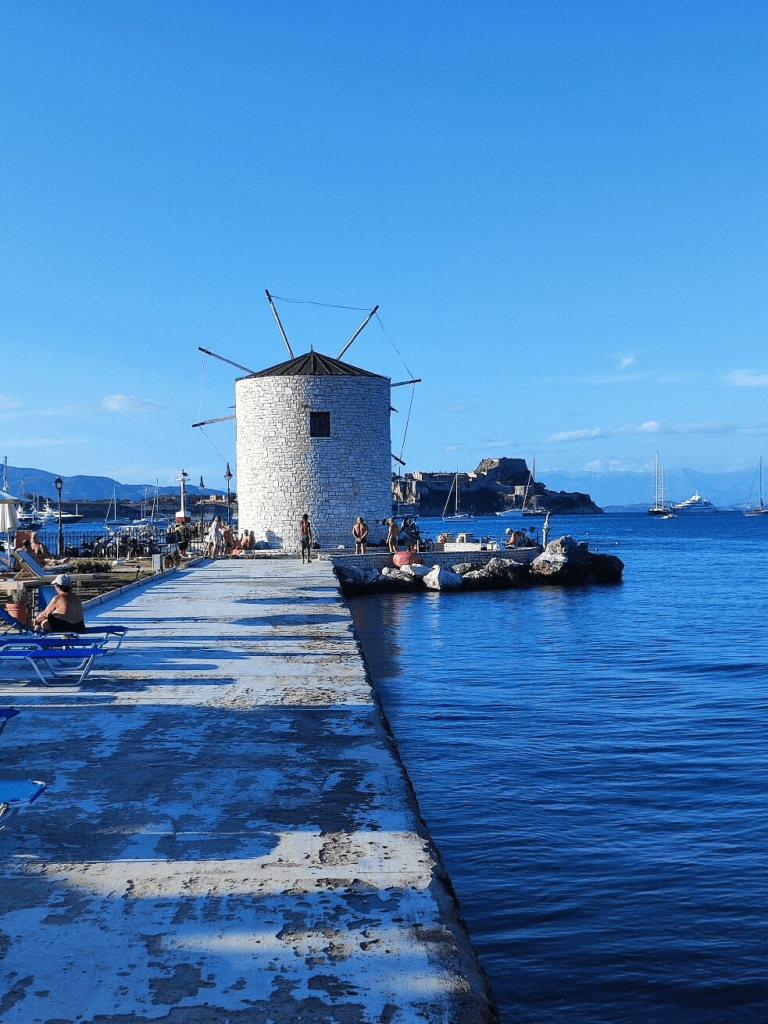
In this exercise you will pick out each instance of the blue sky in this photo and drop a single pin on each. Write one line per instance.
(560, 208)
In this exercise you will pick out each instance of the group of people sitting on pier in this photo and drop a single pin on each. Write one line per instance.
(520, 539)
(220, 540)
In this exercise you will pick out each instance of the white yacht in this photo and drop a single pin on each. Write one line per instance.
(695, 505)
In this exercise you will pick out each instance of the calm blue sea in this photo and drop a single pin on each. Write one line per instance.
(593, 766)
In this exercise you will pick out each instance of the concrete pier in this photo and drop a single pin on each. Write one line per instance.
(227, 835)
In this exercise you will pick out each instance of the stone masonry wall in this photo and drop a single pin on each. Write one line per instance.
(282, 472)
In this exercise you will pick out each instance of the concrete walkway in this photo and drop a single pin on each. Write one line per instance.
(227, 835)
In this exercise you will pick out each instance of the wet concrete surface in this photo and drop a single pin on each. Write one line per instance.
(227, 835)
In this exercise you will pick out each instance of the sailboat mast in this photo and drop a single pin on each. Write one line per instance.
(760, 479)
(656, 483)
(448, 500)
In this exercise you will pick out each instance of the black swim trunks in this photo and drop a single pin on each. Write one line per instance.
(59, 625)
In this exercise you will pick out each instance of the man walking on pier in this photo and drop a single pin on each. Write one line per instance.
(305, 538)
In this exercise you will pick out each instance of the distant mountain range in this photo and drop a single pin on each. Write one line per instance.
(28, 482)
(736, 488)
(606, 489)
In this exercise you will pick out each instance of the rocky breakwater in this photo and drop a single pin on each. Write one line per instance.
(564, 562)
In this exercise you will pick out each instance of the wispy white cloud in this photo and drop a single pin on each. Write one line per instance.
(131, 404)
(655, 427)
(658, 427)
(6, 402)
(575, 435)
(627, 372)
(649, 427)
(746, 379)
(614, 466)
(461, 407)
(702, 428)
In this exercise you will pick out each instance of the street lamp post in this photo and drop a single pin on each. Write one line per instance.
(202, 508)
(58, 484)
(228, 477)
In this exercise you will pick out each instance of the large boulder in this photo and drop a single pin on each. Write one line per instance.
(350, 574)
(414, 571)
(481, 579)
(563, 561)
(605, 568)
(398, 579)
(511, 573)
(462, 568)
(355, 582)
(442, 579)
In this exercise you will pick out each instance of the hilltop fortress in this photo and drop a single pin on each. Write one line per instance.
(495, 486)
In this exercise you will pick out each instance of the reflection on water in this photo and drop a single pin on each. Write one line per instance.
(592, 765)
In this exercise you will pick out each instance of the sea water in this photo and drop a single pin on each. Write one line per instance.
(592, 765)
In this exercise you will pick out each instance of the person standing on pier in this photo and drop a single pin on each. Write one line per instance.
(305, 538)
(183, 533)
(213, 538)
(392, 534)
(360, 533)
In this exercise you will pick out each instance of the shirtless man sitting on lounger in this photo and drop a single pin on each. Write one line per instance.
(64, 614)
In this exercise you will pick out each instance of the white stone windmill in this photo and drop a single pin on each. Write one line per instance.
(313, 436)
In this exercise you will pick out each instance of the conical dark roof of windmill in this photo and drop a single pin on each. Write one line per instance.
(314, 364)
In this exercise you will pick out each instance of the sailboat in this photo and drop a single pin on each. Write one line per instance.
(660, 507)
(152, 519)
(115, 520)
(761, 509)
(455, 492)
(532, 507)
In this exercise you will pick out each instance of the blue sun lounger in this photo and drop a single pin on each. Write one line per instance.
(6, 714)
(107, 636)
(15, 793)
(54, 656)
(7, 619)
(32, 569)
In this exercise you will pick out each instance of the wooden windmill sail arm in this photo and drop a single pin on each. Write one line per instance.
(219, 419)
(279, 325)
(359, 329)
(237, 365)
